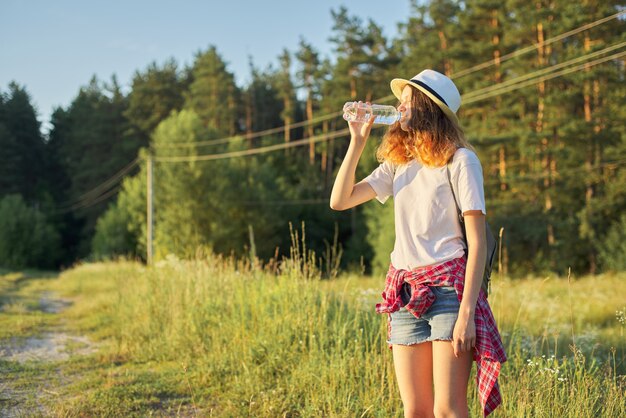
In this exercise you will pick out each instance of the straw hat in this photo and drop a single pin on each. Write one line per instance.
(436, 86)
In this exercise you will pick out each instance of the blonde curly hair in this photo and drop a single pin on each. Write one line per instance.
(432, 138)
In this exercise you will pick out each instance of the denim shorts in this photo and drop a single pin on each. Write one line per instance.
(436, 324)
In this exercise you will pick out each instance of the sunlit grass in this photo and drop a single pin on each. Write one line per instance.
(19, 300)
(212, 337)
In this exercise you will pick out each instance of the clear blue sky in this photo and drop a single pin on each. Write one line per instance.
(54, 47)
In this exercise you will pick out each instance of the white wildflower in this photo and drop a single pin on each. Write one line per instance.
(621, 316)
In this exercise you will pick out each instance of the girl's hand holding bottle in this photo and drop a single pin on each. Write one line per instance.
(361, 116)
(359, 121)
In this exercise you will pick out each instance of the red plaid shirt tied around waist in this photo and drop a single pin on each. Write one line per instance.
(489, 351)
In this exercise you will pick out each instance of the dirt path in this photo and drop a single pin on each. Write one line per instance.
(23, 356)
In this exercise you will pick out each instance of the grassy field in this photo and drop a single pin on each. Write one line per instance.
(213, 337)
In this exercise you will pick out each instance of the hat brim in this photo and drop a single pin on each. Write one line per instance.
(398, 84)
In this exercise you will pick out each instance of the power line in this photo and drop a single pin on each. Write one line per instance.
(92, 202)
(89, 198)
(549, 41)
(280, 202)
(508, 177)
(96, 191)
(385, 99)
(324, 137)
(566, 172)
(260, 150)
(498, 92)
(542, 71)
(471, 97)
(251, 135)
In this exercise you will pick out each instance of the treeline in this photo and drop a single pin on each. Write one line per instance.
(552, 144)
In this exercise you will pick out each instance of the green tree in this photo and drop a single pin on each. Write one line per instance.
(308, 80)
(183, 222)
(286, 92)
(381, 236)
(113, 236)
(22, 149)
(91, 141)
(131, 202)
(612, 250)
(10, 170)
(26, 237)
(155, 92)
(213, 94)
(262, 101)
(210, 204)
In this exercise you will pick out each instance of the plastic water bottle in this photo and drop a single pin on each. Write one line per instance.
(383, 114)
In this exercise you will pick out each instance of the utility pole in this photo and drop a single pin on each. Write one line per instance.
(149, 211)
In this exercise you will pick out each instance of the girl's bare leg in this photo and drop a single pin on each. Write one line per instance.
(414, 372)
(450, 376)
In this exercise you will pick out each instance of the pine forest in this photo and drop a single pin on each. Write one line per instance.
(245, 170)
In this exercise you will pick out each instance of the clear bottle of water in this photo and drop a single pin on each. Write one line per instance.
(383, 114)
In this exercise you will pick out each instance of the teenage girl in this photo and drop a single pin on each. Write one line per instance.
(439, 318)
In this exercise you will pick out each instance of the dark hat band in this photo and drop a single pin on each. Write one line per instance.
(431, 91)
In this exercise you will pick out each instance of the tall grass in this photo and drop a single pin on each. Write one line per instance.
(250, 343)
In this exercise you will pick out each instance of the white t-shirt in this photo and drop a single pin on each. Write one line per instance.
(426, 222)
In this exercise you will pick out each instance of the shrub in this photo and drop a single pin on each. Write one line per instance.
(27, 239)
(113, 237)
(612, 250)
